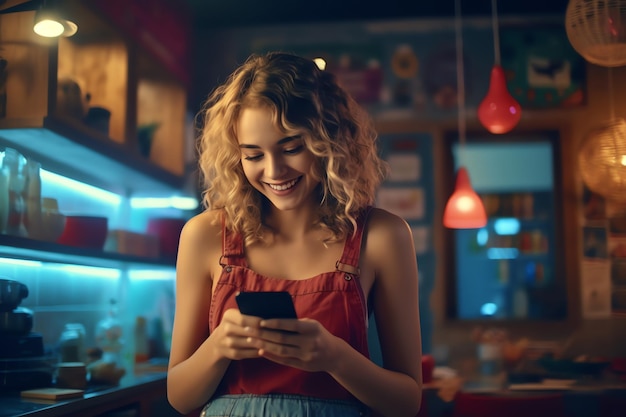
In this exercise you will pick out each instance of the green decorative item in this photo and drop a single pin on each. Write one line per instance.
(145, 134)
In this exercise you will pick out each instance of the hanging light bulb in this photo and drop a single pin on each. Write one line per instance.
(49, 24)
(499, 112)
(464, 209)
(50, 21)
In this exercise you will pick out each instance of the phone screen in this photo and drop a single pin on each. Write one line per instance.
(266, 304)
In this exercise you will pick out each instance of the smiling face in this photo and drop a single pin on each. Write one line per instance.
(278, 165)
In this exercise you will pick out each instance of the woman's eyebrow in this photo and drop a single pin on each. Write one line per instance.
(280, 142)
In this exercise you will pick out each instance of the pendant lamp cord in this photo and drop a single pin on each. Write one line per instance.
(612, 121)
(610, 85)
(460, 75)
(496, 34)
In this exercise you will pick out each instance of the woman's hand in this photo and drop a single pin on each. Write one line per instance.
(301, 343)
(235, 334)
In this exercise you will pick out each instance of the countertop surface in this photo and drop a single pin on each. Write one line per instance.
(582, 396)
(12, 405)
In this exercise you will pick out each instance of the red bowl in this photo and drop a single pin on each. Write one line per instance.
(85, 231)
(167, 230)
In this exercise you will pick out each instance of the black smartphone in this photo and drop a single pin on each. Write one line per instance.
(266, 304)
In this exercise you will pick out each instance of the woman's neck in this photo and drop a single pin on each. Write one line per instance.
(293, 224)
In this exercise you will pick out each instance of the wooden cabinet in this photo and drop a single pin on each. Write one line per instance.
(115, 73)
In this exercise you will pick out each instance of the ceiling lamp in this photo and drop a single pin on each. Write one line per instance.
(464, 209)
(49, 21)
(602, 156)
(597, 30)
(499, 112)
(602, 160)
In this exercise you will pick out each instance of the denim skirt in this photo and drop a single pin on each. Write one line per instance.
(280, 405)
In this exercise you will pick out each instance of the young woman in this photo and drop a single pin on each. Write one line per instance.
(291, 168)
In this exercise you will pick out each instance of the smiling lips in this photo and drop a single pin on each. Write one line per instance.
(284, 186)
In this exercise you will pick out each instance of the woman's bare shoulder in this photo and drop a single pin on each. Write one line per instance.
(387, 233)
(386, 224)
(203, 227)
(200, 246)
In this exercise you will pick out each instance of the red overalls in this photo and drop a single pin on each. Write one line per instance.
(335, 299)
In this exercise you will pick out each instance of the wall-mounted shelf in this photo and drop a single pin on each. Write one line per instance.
(36, 250)
(70, 149)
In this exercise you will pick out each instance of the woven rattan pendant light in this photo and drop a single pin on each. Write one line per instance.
(602, 160)
(597, 30)
(602, 155)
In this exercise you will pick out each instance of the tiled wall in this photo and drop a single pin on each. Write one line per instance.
(61, 293)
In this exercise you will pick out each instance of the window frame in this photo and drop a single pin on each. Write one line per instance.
(450, 137)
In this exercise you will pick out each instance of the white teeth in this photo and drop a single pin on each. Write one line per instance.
(283, 187)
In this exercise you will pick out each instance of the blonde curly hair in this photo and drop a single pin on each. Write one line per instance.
(304, 98)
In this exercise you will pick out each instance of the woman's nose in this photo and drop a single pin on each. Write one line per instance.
(274, 166)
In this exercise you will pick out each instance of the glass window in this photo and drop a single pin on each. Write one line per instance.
(511, 268)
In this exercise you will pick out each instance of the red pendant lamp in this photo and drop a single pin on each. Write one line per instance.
(464, 209)
(499, 112)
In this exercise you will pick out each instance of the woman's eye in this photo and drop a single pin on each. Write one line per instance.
(292, 151)
(253, 157)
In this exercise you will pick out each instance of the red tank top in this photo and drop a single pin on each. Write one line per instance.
(335, 299)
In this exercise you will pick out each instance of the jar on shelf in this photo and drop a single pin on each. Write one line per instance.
(109, 336)
(72, 343)
(142, 346)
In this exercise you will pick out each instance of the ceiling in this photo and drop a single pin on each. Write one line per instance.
(213, 14)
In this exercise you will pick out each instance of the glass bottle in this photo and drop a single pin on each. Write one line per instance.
(3, 87)
(14, 163)
(109, 336)
(32, 199)
(4, 194)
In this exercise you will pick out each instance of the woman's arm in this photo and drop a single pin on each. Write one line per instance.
(194, 369)
(395, 390)
(198, 360)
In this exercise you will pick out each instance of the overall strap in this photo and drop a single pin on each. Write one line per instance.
(349, 262)
(232, 247)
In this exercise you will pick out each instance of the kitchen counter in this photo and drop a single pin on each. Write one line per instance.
(136, 395)
(584, 396)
